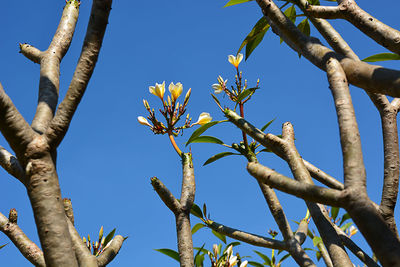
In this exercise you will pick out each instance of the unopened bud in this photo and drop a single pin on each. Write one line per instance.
(146, 104)
(169, 101)
(187, 96)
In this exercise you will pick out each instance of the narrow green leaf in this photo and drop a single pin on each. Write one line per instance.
(347, 225)
(236, 2)
(304, 27)
(334, 212)
(2, 246)
(284, 258)
(267, 125)
(265, 150)
(207, 139)
(196, 211)
(291, 13)
(202, 249)
(205, 209)
(264, 257)
(169, 252)
(254, 263)
(199, 260)
(345, 217)
(216, 100)
(233, 244)
(197, 227)
(219, 236)
(318, 255)
(245, 93)
(218, 156)
(258, 32)
(316, 240)
(382, 57)
(109, 237)
(314, 2)
(201, 130)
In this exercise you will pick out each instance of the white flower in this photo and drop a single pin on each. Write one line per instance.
(175, 90)
(158, 90)
(219, 87)
(352, 231)
(235, 60)
(244, 264)
(143, 121)
(232, 260)
(203, 118)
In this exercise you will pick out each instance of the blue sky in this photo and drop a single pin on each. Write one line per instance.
(106, 160)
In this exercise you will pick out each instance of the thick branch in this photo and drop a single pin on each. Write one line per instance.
(84, 69)
(302, 190)
(301, 233)
(31, 52)
(253, 239)
(11, 164)
(322, 176)
(166, 196)
(13, 126)
(371, 78)
(68, 210)
(49, 82)
(353, 164)
(110, 251)
(188, 183)
(27, 248)
(370, 26)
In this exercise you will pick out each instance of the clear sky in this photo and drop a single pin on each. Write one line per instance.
(106, 160)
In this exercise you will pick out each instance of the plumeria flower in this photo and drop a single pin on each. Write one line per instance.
(219, 87)
(235, 60)
(175, 90)
(352, 231)
(244, 264)
(158, 90)
(232, 260)
(203, 118)
(143, 121)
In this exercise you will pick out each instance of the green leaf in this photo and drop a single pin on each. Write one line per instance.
(196, 211)
(255, 36)
(109, 237)
(198, 260)
(245, 93)
(197, 227)
(2, 246)
(334, 212)
(304, 27)
(254, 263)
(264, 257)
(318, 254)
(291, 13)
(233, 244)
(345, 217)
(267, 125)
(316, 240)
(169, 252)
(284, 258)
(218, 156)
(236, 2)
(201, 130)
(219, 236)
(347, 225)
(207, 139)
(314, 2)
(202, 249)
(382, 57)
(265, 150)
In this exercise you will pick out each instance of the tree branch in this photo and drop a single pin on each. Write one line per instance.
(249, 238)
(110, 251)
(166, 196)
(11, 164)
(370, 26)
(83, 72)
(50, 59)
(353, 164)
(27, 248)
(323, 177)
(31, 52)
(374, 79)
(13, 126)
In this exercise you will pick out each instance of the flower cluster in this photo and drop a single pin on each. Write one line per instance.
(226, 260)
(171, 111)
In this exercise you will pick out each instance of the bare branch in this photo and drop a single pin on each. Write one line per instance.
(27, 248)
(11, 164)
(253, 239)
(13, 126)
(110, 251)
(50, 59)
(353, 164)
(87, 61)
(301, 233)
(166, 196)
(31, 52)
(188, 183)
(374, 79)
(370, 26)
(323, 177)
(302, 190)
(85, 258)
(68, 210)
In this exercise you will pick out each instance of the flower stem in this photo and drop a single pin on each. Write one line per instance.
(172, 139)
(246, 145)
